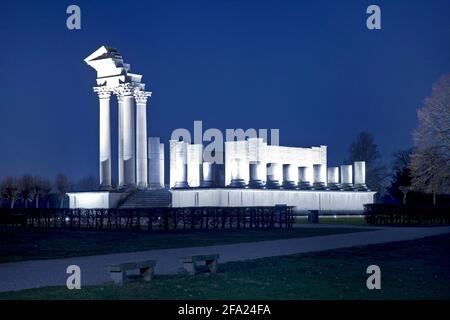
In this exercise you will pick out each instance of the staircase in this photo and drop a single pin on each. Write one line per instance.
(148, 199)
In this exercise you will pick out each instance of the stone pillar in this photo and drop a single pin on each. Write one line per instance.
(129, 161)
(347, 177)
(290, 176)
(155, 165)
(161, 165)
(141, 138)
(304, 178)
(178, 164)
(333, 178)
(120, 177)
(104, 95)
(207, 180)
(319, 177)
(258, 175)
(236, 174)
(182, 177)
(360, 175)
(194, 164)
(274, 175)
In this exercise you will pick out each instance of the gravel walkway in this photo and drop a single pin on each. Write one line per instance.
(40, 273)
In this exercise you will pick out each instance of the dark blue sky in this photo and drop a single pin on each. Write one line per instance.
(310, 68)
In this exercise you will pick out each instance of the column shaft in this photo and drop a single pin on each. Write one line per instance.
(141, 138)
(120, 142)
(141, 145)
(105, 137)
(128, 141)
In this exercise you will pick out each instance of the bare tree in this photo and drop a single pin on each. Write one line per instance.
(364, 148)
(400, 174)
(62, 185)
(430, 161)
(46, 187)
(10, 190)
(89, 183)
(26, 188)
(402, 160)
(430, 171)
(404, 190)
(37, 189)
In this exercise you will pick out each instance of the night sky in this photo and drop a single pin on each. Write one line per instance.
(310, 68)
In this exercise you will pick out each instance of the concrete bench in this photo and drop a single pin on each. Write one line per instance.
(118, 272)
(192, 263)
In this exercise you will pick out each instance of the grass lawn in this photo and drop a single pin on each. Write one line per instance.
(417, 269)
(28, 244)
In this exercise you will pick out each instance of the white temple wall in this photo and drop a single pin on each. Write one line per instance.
(255, 150)
(94, 200)
(301, 200)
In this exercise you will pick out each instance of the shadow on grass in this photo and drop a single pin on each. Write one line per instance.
(17, 244)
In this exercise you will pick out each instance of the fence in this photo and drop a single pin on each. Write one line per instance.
(150, 218)
(409, 214)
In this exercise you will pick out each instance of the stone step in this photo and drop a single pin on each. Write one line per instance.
(148, 199)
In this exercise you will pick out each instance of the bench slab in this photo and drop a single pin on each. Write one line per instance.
(190, 263)
(118, 272)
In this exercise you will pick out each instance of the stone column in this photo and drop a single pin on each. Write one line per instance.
(258, 175)
(207, 180)
(347, 177)
(274, 175)
(194, 164)
(161, 165)
(129, 171)
(290, 176)
(155, 165)
(333, 178)
(141, 137)
(236, 174)
(319, 177)
(178, 169)
(360, 175)
(104, 95)
(120, 141)
(304, 178)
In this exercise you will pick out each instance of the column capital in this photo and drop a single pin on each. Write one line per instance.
(141, 96)
(103, 92)
(124, 89)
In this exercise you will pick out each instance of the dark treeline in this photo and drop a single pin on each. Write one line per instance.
(420, 174)
(396, 182)
(30, 191)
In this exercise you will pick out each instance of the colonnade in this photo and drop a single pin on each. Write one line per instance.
(132, 135)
